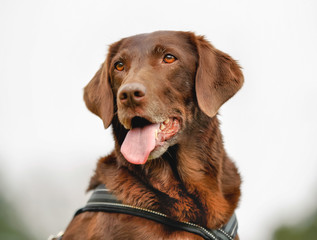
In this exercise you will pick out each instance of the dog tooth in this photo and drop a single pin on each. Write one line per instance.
(156, 132)
(166, 121)
(162, 126)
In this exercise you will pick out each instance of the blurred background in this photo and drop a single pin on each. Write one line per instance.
(50, 142)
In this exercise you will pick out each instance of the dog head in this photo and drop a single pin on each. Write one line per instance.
(154, 83)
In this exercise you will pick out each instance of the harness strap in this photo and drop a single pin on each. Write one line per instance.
(102, 200)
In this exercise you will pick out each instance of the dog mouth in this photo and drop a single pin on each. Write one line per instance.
(147, 140)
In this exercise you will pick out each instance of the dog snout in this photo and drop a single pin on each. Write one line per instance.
(132, 94)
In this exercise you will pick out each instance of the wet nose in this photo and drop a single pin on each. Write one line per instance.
(131, 93)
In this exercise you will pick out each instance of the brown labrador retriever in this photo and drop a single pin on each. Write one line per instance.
(161, 92)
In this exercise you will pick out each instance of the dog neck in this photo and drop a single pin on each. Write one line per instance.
(188, 176)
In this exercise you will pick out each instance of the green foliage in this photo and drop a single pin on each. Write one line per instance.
(10, 225)
(307, 230)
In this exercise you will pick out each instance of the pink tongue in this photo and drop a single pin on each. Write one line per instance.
(139, 143)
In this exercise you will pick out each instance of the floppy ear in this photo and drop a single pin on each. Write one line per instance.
(218, 77)
(98, 95)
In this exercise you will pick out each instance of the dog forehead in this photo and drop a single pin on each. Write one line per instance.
(147, 42)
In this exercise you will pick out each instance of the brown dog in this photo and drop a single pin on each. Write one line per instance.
(161, 93)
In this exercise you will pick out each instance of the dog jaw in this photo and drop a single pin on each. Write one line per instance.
(146, 140)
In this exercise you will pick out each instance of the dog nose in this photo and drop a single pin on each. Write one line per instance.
(131, 93)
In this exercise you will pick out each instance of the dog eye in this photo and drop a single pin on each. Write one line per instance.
(119, 66)
(169, 58)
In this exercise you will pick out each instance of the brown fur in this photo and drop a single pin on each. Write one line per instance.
(194, 180)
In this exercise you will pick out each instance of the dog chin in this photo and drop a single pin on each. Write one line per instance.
(160, 150)
(157, 152)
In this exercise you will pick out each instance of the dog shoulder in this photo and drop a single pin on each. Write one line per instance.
(95, 180)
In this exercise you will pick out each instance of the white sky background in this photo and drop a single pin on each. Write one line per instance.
(50, 142)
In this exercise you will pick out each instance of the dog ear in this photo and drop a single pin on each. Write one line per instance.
(98, 95)
(218, 77)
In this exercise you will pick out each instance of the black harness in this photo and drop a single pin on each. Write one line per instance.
(102, 200)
